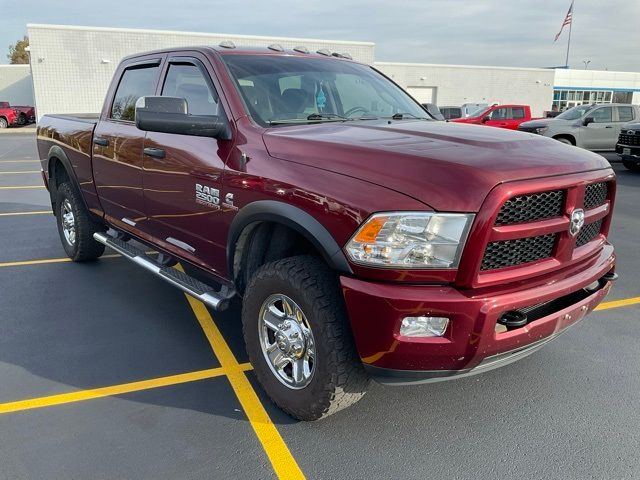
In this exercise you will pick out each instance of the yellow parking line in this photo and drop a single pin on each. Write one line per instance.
(16, 214)
(82, 395)
(625, 302)
(282, 461)
(45, 261)
(22, 187)
(20, 173)
(19, 161)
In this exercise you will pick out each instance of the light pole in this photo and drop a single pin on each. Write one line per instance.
(586, 63)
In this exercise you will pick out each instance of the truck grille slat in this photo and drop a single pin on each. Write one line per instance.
(627, 139)
(595, 195)
(508, 253)
(537, 206)
(588, 233)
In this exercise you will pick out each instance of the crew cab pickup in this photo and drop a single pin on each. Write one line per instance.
(16, 114)
(364, 239)
(503, 116)
(628, 146)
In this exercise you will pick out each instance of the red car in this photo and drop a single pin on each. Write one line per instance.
(502, 116)
(364, 239)
(11, 115)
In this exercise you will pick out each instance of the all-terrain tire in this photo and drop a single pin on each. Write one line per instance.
(84, 247)
(631, 166)
(339, 380)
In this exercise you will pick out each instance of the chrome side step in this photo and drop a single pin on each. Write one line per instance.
(219, 300)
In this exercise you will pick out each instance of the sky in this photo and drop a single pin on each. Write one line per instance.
(516, 33)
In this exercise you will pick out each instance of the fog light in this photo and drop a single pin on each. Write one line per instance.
(424, 326)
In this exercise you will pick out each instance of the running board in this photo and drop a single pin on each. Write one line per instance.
(218, 300)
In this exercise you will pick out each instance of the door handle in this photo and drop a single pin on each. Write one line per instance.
(154, 152)
(103, 142)
(609, 126)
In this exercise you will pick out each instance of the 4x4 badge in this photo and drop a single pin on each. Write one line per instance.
(577, 221)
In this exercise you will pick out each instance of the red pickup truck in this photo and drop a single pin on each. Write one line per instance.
(15, 115)
(364, 239)
(502, 116)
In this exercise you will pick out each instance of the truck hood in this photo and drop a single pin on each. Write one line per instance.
(545, 122)
(450, 167)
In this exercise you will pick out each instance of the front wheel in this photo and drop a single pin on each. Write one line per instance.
(632, 166)
(564, 140)
(3, 123)
(75, 225)
(299, 340)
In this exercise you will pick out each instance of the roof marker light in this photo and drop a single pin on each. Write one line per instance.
(301, 49)
(227, 44)
(325, 52)
(276, 47)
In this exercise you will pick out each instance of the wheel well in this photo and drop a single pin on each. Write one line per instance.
(57, 176)
(263, 242)
(571, 138)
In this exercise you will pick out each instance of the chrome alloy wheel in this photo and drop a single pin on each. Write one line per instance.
(68, 222)
(286, 341)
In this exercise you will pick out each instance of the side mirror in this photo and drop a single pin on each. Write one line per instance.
(170, 115)
(588, 120)
(485, 119)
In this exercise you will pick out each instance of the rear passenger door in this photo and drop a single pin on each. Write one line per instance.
(117, 146)
(183, 187)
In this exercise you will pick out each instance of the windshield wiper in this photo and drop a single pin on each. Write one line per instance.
(400, 116)
(314, 117)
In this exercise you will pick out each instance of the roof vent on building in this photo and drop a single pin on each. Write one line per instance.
(342, 55)
(325, 52)
(276, 47)
(301, 49)
(227, 44)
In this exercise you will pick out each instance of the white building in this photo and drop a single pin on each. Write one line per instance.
(15, 84)
(72, 67)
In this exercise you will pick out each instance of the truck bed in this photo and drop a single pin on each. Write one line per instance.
(71, 137)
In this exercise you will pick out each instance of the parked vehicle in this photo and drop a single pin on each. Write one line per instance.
(23, 113)
(594, 127)
(450, 112)
(364, 239)
(432, 109)
(470, 109)
(628, 146)
(503, 116)
(8, 115)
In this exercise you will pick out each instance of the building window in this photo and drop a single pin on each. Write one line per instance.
(564, 99)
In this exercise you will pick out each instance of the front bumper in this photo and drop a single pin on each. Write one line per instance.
(471, 344)
(628, 152)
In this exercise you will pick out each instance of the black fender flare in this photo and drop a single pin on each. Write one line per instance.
(58, 153)
(294, 218)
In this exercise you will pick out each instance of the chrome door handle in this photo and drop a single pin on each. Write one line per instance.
(154, 152)
(103, 142)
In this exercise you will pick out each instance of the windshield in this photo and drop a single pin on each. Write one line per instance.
(575, 112)
(291, 89)
(478, 111)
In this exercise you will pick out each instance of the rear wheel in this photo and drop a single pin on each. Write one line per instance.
(3, 123)
(299, 340)
(632, 166)
(75, 226)
(22, 119)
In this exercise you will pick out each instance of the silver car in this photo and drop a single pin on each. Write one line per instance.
(594, 127)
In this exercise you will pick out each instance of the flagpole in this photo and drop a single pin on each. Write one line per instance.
(566, 61)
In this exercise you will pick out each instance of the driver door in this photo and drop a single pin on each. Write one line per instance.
(498, 118)
(601, 133)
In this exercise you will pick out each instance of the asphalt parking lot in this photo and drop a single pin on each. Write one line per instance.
(108, 372)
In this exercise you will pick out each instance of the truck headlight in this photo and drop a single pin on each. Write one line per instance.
(411, 240)
(541, 130)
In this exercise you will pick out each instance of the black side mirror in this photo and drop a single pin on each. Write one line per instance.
(485, 119)
(170, 115)
(588, 120)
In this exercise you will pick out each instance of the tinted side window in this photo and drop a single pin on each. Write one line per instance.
(135, 83)
(517, 112)
(499, 114)
(187, 81)
(625, 114)
(602, 115)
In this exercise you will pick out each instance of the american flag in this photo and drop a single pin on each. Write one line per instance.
(567, 20)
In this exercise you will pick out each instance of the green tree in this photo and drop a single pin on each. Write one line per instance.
(17, 52)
